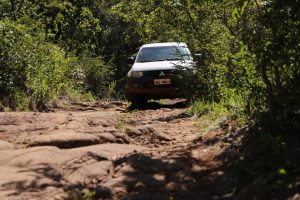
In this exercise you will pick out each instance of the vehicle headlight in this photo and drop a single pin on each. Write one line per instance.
(134, 74)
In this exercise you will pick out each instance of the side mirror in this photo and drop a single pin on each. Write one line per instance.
(198, 55)
(199, 58)
(130, 60)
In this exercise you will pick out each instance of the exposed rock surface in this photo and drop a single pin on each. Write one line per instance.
(96, 149)
(5, 145)
(33, 171)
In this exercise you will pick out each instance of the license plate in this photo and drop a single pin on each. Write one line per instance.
(162, 81)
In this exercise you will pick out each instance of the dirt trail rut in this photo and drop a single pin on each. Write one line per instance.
(102, 151)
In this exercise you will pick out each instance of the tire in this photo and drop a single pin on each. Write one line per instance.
(138, 102)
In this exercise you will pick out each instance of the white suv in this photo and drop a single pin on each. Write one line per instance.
(154, 70)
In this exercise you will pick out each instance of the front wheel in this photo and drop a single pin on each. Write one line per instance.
(138, 102)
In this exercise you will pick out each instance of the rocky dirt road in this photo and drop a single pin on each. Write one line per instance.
(101, 151)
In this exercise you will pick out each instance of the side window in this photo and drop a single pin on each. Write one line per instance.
(186, 54)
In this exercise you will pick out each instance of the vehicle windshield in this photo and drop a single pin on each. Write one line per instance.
(152, 54)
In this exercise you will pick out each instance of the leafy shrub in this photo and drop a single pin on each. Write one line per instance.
(15, 50)
(46, 73)
(29, 65)
(231, 107)
(199, 108)
(91, 74)
(76, 95)
(21, 101)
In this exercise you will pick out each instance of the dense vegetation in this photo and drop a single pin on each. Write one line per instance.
(250, 49)
(77, 49)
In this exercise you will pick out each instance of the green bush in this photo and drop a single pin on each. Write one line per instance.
(46, 73)
(77, 95)
(91, 74)
(29, 65)
(21, 101)
(199, 108)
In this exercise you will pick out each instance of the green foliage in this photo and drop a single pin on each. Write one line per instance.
(46, 73)
(249, 64)
(29, 64)
(275, 43)
(14, 52)
(32, 61)
(89, 195)
(233, 107)
(77, 95)
(92, 74)
(250, 49)
(112, 89)
(21, 101)
(200, 108)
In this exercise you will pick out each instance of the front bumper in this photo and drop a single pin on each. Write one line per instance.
(145, 87)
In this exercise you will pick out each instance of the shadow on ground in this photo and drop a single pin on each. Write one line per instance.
(255, 169)
(175, 175)
(50, 181)
(172, 179)
(153, 105)
(42, 178)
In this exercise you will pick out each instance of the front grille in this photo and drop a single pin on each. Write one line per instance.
(158, 73)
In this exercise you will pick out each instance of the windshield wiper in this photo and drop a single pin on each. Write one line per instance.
(170, 59)
(146, 61)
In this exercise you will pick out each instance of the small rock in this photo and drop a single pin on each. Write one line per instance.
(159, 177)
(120, 192)
(67, 139)
(118, 134)
(161, 136)
(172, 186)
(197, 168)
(118, 103)
(120, 109)
(127, 169)
(50, 188)
(139, 186)
(94, 181)
(219, 173)
(107, 137)
(295, 197)
(133, 132)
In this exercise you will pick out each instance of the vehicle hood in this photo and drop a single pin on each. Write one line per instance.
(161, 65)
